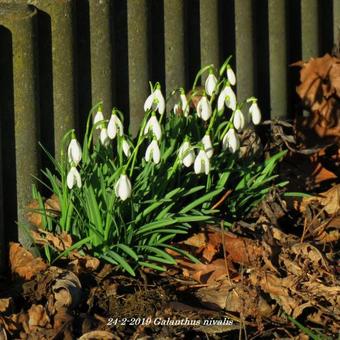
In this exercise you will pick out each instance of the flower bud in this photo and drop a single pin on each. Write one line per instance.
(210, 84)
(208, 147)
(186, 154)
(238, 120)
(204, 110)
(153, 152)
(231, 141)
(73, 177)
(74, 152)
(123, 187)
(114, 126)
(202, 163)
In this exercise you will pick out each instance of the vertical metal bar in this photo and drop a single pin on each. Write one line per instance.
(101, 54)
(209, 33)
(20, 21)
(138, 60)
(309, 29)
(277, 58)
(174, 46)
(63, 65)
(336, 21)
(244, 49)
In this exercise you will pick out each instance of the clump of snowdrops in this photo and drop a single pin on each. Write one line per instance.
(124, 199)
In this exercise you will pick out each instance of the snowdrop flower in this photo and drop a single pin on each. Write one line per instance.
(231, 141)
(202, 163)
(204, 110)
(208, 148)
(155, 101)
(183, 107)
(185, 104)
(210, 84)
(123, 187)
(227, 97)
(74, 151)
(154, 126)
(186, 154)
(126, 148)
(238, 120)
(255, 113)
(231, 75)
(98, 118)
(114, 126)
(153, 152)
(73, 177)
(104, 137)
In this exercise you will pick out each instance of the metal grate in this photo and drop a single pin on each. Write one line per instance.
(58, 58)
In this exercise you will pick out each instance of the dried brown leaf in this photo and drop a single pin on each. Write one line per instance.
(23, 263)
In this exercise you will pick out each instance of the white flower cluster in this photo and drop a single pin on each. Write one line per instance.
(187, 156)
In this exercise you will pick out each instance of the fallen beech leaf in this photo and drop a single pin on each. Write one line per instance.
(329, 199)
(104, 335)
(37, 317)
(5, 304)
(59, 241)
(23, 263)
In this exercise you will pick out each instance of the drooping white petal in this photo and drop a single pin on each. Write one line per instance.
(238, 120)
(204, 110)
(230, 98)
(154, 126)
(231, 75)
(104, 138)
(148, 102)
(158, 96)
(221, 99)
(98, 118)
(153, 152)
(126, 148)
(74, 152)
(114, 127)
(186, 154)
(73, 177)
(210, 84)
(208, 147)
(202, 163)
(185, 105)
(177, 109)
(123, 187)
(255, 113)
(231, 141)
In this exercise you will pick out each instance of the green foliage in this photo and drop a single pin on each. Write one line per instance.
(166, 197)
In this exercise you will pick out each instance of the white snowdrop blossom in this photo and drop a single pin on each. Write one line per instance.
(208, 147)
(154, 126)
(186, 154)
(73, 177)
(153, 152)
(155, 101)
(227, 97)
(104, 137)
(255, 113)
(185, 104)
(114, 127)
(204, 110)
(210, 84)
(126, 148)
(74, 152)
(238, 120)
(231, 75)
(231, 141)
(123, 187)
(202, 163)
(98, 118)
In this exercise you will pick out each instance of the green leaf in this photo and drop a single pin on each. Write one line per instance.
(120, 261)
(128, 251)
(205, 198)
